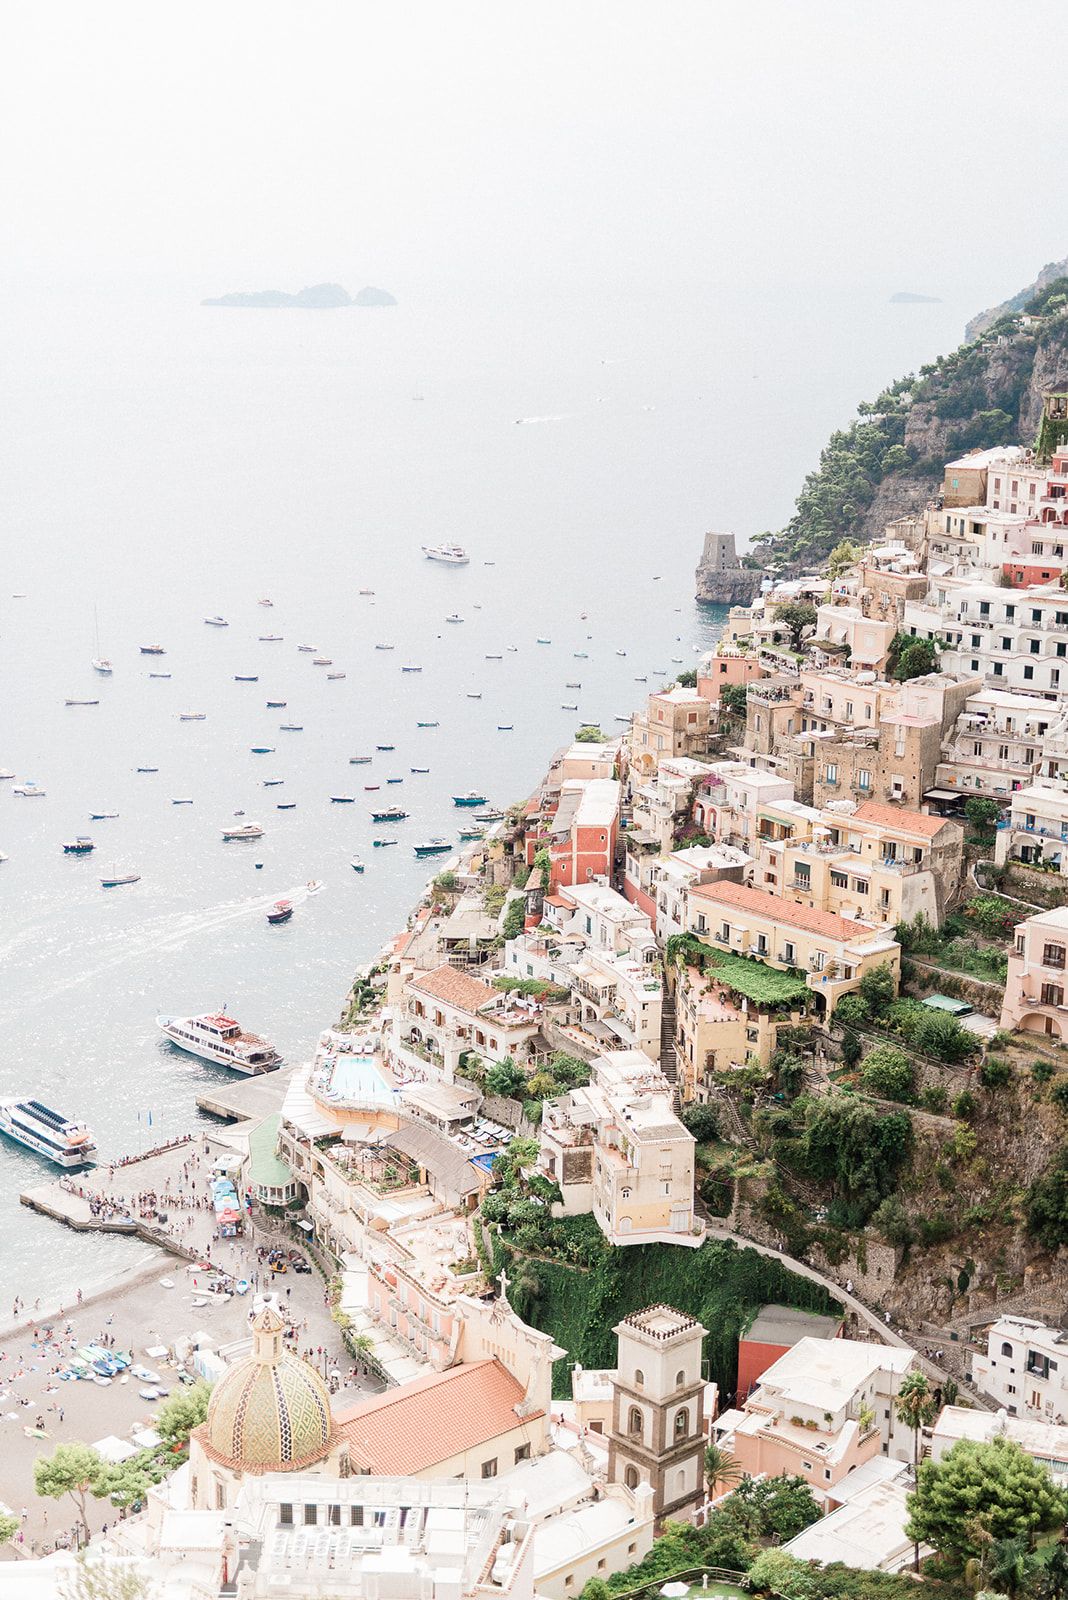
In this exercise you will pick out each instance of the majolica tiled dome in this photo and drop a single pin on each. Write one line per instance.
(271, 1411)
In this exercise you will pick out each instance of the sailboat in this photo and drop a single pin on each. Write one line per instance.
(100, 663)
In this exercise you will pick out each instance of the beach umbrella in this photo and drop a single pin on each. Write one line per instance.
(675, 1591)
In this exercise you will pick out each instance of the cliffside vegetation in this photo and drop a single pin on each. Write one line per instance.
(889, 461)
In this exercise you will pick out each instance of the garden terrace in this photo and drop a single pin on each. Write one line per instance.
(763, 985)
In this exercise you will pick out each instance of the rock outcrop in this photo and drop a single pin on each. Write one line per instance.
(721, 578)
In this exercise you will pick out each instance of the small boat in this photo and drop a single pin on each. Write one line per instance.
(262, 749)
(621, 652)
(102, 665)
(270, 638)
(246, 830)
(81, 846)
(356, 864)
(489, 816)
(454, 555)
(273, 783)
(467, 834)
(6, 772)
(493, 658)
(286, 805)
(192, 716)
(322, 661)
(314, 886)
(572, 686)
(308, 649)
(411, 669)
(676, 661)
(370, 788)
(29, 790)
(246, 677)
(281, 911)
(394, 780)
(543, 641)
(432, 847)
(118, 879)
(159, 674)
(153, 650)
(618, 718)
(291, 727)
(385, 647)
(428, 724)
(359, 761)
(365, 591)
(102, 816)
(475, 696)
(81, 702)
(276, 705)
(182, 802)
(342, 799)
(385, 747)
(420, 769)
(380, 844)
(265, 602)
(454, 617)
(505, 727)
(390, 814)
(332, 677)
(471, 798)
(216, 622)
(641, 680)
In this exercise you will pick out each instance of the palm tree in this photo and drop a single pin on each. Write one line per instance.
(916, 1409)
(721, 1468)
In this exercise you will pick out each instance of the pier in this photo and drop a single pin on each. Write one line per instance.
(247, 1099)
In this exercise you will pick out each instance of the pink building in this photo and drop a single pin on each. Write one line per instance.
(718, 670)
(1035, 989)
(583, 832)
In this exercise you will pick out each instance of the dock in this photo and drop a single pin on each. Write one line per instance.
(247, 1099)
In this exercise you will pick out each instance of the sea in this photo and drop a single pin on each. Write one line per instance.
(168, 462)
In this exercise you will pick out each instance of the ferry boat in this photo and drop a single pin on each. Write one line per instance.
(471, 798)
(391, 814)
(81, 846)
(28, 1122)
(281, 911)
(153, 650)
(246, 830)
(433, 847)
(216, 1037)
(454, 555)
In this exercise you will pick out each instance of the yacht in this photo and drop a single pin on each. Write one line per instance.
(489, 816)
(453, 555)
(471, 798)
(81, 846)
(390, 814)
(433, 847)
(467, 834)
(216, 1037)
(28, 1122)
(28, 790)
(245, 830)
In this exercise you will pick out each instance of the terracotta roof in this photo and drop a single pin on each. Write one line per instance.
(431, 1419)
(893, 817)
(784, 911)
(454, 987)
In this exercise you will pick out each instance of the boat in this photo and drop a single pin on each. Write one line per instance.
(394, 780)
(270, 638)
(217, 1037)
(385, 647)
(420, 769)
(618, 718)
(6, 772)
(471, 798)
(543, 641)
(565, 706)
(322, 661)
(273, 783)
(428, 724)
(265, 602)
(342, 799)
(368, 788)
(262, 749)
(380, 844)
(281, 911)
(489, 816)
(385, 747)
(572, 686)
(147, 769)
(3, 857)
(117, 879)
(475, 695)
(276, 705)
(81, 702)
(332, 677)
(467, 834)
(411, 669)
(313, 886)
(81, 846)
(28, 790)
(493, 658)
(246, 677)
(505, 727)
(159, 674)
(356, 864)
(192, 716)
(580, 655)
(102, 665)
(153, 650)
(244, 830)
(365, 591)
(621, 652)
(308, 649)
(453, 555)
(641, 680)
(102, 816)
(28, 1122)
(286, 805)
(676, 661)
(291, 727)
(454, 617)
(216, 622)
(182, 802)
(390, 814)
(359, 761)
(433, 847)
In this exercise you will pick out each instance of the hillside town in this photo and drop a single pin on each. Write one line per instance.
(739, 983)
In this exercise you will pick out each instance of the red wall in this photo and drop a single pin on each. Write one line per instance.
(754, 1360)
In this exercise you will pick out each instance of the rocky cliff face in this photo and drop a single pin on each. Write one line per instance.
(986, 319)
(737, 588)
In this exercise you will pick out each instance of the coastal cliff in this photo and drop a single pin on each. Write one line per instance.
(721, 579)
(889, 461)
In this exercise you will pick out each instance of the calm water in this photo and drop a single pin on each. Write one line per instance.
(166, 463)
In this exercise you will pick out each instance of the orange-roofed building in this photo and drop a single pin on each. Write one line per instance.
(445, 1013)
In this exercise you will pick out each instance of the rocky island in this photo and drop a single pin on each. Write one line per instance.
(905, 298)
(722, 580)
(317, 297)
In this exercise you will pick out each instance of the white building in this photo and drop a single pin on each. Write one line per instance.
(1044, 1442)
(1025, 1369)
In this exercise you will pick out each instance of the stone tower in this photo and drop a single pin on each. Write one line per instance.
(657, 1432)
(719, 554)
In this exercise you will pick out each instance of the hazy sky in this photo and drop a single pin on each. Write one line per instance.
(911, 144)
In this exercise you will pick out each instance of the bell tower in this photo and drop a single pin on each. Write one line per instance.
(657, 1432)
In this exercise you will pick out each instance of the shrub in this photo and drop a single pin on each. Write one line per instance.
(1042, 1070)
(1047, 1203)
(887, 1071)
(892, 1220)
(514, 918)
(995, 1072)
(852, 1049)
(852, 1011)
(702, 1121)
(878, 987)
(934, 1098)
(964, 1105)
(1059, 1093)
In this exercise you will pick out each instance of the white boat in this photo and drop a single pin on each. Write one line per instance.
(6, 772)
(356, 864)
(217, 1037)
(28, 790)
(192, 716)
(314, 886)
(266, 602)
(216, 622)
(246, 830)
(68, 1144)
(102, 665)
(455, 617)
(453, 555)
(308, 649)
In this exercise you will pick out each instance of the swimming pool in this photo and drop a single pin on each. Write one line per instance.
(357, 1078)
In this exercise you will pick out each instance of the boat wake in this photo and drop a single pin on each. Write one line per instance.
(557, 416)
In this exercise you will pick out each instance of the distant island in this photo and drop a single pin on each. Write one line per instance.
(318, 297)
(904, 298)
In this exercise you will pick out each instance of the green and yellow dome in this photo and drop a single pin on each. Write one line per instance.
(271, 1411)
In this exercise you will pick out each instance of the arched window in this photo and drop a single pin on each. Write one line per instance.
(1006, 1349)
(682, 1423)
(639, 1377)
(630, 1478)
(680, 1379)
(635, 1420)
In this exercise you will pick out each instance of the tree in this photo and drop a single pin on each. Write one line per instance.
(852, 1049)
(76, 1470)
(444, 883)
(543, 864)
(95, 1578)
(505, 1078)
(841, 558)
(9, 1526)
(702, 1121)
(183, 1412)
(797, 616)
(589, 733)
(915, 1407)
(1047, 1203)
(887, 1071)
(514, 918)
(980, 1492)
(892, 1220)
(687, 679)
(852, 1011)
(878, 987)
(911, 658)
(721, 1467)
(982, 812)
(734, 697)
(774, 1572)
(779, 1507)
(595, 1589)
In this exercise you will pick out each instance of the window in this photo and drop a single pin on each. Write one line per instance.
(864, 779)
(635, 1425)
(680, 1379)
(788, 953)
(999, 670)
(861, 886)
(819, 960)
(839, 880)
(333, 1515)
(630, 1478)
(831, 774)
(725, 932)
(1052, 994)
(682, 1423)
(489, 1468)
(311, 1516)
(1053, 955)
(356, 1516)
(1029, 673)
(285, 1514)
(522, 1453)
(1035, 646)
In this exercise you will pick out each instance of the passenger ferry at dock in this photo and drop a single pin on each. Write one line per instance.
(68, 1144)
(215, 1037)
